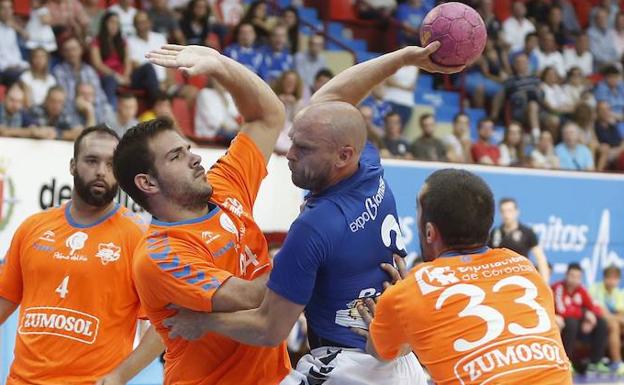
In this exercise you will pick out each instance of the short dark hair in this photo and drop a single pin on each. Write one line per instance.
(459, 115)
(392, 113)
(574, 266)
(612, 270)
(507, 200)
(133, 156)
(324, 72)
(461, 205)
(483, 120)
(610, 70)
(99, 128)
(424, 116)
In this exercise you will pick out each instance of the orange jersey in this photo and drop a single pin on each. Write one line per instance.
(78, 305)
(475, 319)
(184, 263)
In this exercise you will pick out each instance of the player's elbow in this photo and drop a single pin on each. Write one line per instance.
(272, 335)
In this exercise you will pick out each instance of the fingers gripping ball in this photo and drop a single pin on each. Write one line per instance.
(459, 29)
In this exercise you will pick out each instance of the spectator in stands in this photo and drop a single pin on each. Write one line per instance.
(375, 9)
(321, 77)
(611, 90)
(393, 140)
(549, 56)
(38, 79)
(126, 115)
(579, 55)
(585, 117)
(543, 154)
(145, 41)
(601, 40)
(73, 70)
(576, 315)
(14, 118)
(571, 153)
(84, 111)
(609, 137)
(483, 79)
(570, 21)
(483, 151)
(378, 103)
(310, 62)
(557, 27)
(197, 27)
(289, 89)
(610, 298)
(94, 13)
(216, 115)
(38, 28)
(372, 133)
(512, 147)
(244, 50)
(531, 44)
(50, 118)
(126, 13)
(11, 62)
(400, 89)
(611, 7)
(492, 24)
(68, 17)
(458, 141)
(276, 56)
(161, 108)
(110, 57)
(290, 18)
(517, 27)
(410, 14)
(257, 16)
(165, 21)
(619, 34)
(576, 86)
(557, 105)
(427, 146)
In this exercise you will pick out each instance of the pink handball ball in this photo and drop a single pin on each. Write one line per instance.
(460, 30)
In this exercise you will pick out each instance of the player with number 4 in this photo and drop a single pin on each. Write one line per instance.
(472, 315)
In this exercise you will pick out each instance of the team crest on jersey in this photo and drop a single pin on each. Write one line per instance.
(209, 236)
(74, 242)
(108, 252)
(431, 278)
(228, 224)
(48, 236)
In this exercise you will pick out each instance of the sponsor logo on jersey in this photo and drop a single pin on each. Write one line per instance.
(209, 236)
(430, 278)
(510, 356)
(48, 236)
(108, 252)
(61, 322)
(371, 207)
(234, 206)
(76, 241)
(227, 224)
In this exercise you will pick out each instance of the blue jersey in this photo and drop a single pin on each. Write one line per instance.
(275, 63)
(249, 57)
(331, 256)
(380, 108)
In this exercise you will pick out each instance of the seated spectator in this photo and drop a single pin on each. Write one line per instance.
(611, 144)
(244, 50)
(216, 114)
(276, 57)
(543, 154)
(427, 146)
(323, 76)
(611, 90)
(555, 23)
(549, 56)
(289, 89)
(38, 79)
(556, 101)
(410, 14)
(94, 13)
(310, 62)
(458, 141)
(492, 25)
(400, 89)
(11, 62)
(145, 41)
(257, 17)
(601, 40)
(196, 24)
(393, 140)
(38, 28)
(512, 147)
(483, 79)
(570, 21)
(610, 298)
(290, 18)
(73, 70)
(83, 114)
(14, 118)
(377, 101)
(531, 45)
(517, 27)
(50, 118)
(619, 34)
(612, 8)
(577, 315)
(571, 153)
(579, 55)
(110, 57)
(375, 9)
(165, 21)
(371, 133)
(483, 151)
(126, 116)
(585, 117)
(68, 17)
(126, 13)
(576, 86)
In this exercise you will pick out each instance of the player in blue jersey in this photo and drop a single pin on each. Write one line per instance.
(331, 256)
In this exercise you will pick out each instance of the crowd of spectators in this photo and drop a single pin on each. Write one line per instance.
(553, 82)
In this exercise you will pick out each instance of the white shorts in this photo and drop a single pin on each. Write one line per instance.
(339, 366)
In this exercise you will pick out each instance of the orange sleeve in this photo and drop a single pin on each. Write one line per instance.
(172, 274)
(11, 283)
(240, 170)
(386, 331)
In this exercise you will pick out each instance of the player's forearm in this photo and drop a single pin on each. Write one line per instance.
(150, 347)
(353, 84)
(249, 327)
(6, 309)
(253, 97)
(542, 264)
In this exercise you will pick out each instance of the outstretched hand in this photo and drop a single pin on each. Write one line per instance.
(421, 57)
(192, 59)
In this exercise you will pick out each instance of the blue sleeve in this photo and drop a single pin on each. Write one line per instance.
(295, 266)
(601, 92)
(370, 154)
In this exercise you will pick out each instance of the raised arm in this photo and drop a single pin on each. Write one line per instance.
(262, 110)
(353, 84)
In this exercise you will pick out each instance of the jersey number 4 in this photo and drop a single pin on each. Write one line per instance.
(62, 289)
(494, 320)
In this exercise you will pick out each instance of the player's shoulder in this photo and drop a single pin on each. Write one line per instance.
(49, 217)
(322, 214)
(130, 220)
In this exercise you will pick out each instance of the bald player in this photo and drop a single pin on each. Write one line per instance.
(331, 256)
